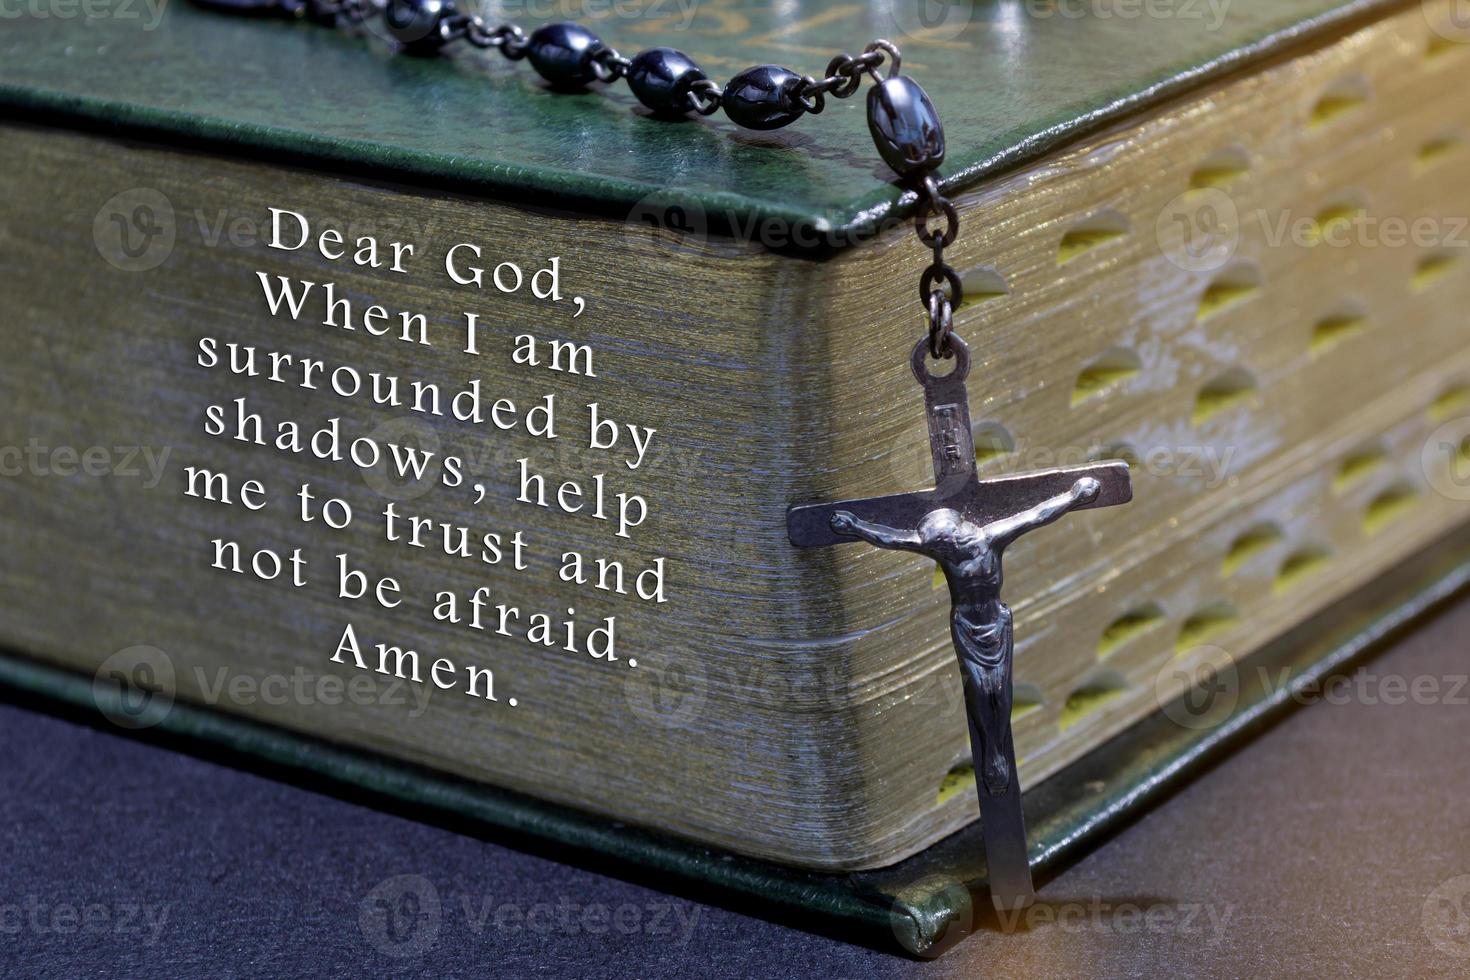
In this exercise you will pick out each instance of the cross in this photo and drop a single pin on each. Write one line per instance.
(964, 524)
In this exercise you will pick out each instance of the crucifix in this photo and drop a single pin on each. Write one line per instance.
(964, 524)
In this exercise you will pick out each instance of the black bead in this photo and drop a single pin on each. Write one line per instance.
(415, 24)
(763, 97)
(660, 78)
(563, 54)
(905, 126)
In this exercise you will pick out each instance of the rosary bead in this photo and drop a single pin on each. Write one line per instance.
(763, 97)
(660, 78)
(563, 54)
(417, 24)
(905, 126)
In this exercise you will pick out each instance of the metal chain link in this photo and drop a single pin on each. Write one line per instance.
(940, 303)
(608, 65)
(940, 288)
(705, 96)
(509, 38)
(845, 75)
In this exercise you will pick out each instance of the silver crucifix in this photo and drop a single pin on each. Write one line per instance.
(964, 524)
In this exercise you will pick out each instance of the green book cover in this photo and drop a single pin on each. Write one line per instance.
(1010, 80)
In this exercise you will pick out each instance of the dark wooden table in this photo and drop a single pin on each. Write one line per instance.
(1338, 844)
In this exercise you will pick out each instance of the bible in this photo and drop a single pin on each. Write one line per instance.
(547, 432)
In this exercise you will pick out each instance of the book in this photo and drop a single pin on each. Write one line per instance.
(1199, 259)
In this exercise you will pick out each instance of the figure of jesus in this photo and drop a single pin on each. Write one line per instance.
(980, 623)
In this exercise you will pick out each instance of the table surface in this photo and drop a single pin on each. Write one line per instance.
(1337, 844)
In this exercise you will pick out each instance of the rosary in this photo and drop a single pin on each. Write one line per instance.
(964, 523)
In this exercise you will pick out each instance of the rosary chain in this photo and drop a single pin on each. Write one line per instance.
(508, 38)
(843, 77)
(423, 26)
(704, 96)
(939, 302)
(609, 65)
